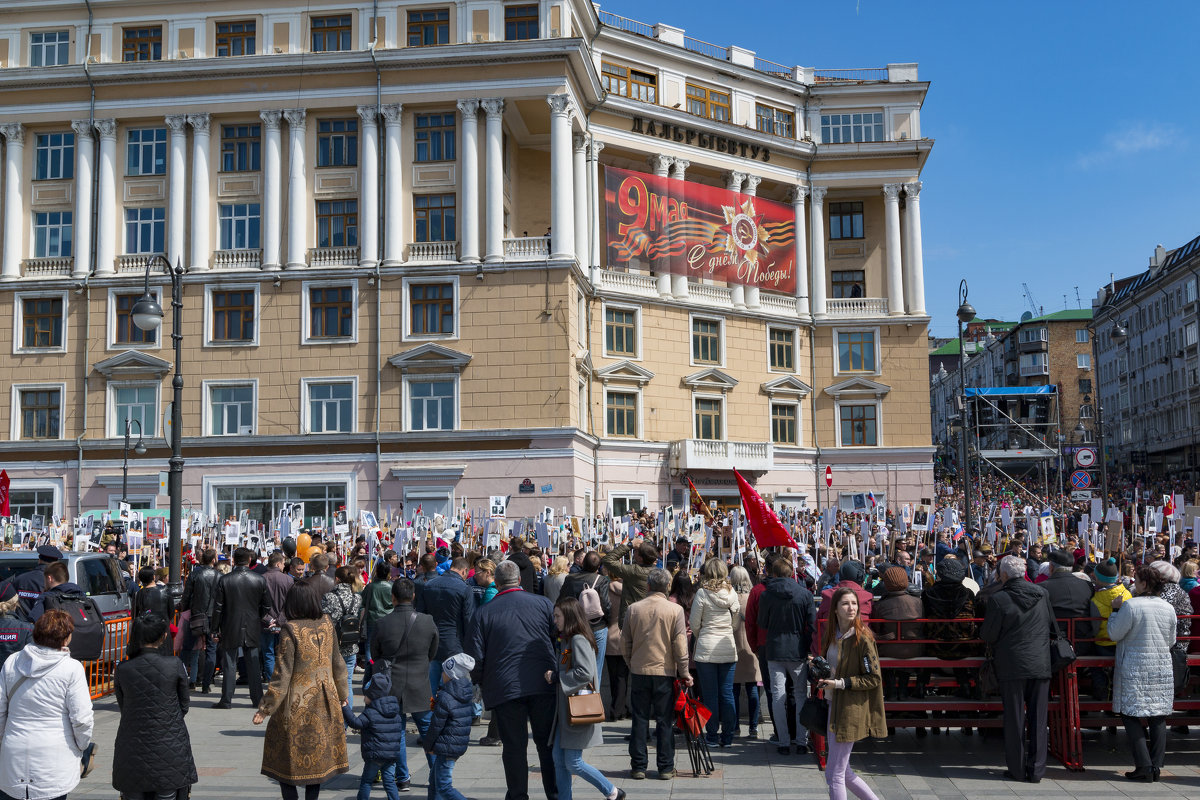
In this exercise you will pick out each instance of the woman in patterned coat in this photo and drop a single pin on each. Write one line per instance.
(305, 743)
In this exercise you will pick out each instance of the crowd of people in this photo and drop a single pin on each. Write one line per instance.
(437, 638)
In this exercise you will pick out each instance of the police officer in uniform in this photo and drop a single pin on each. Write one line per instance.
(15, 632)
(30, 585)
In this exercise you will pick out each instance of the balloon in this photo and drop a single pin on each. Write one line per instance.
(313, 551)
(289, 547)
(303, 542)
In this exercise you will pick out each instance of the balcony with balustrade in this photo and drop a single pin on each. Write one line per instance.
(695, 454)
(136, 262)
(856, 307)
(47, 267)
(433, 252)
(322, 257)
(237, 259)
(527, 248)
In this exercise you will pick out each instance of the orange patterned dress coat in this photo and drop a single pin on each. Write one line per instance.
(306, 737)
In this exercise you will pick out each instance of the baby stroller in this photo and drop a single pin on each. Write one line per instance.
(690, 717)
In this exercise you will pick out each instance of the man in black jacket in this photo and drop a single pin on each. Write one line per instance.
(1018, 625)
(200, 597)
(785, 613)
(1071, 598)
(241, 604)
(407, 641)
(278, 583)
(449, 600)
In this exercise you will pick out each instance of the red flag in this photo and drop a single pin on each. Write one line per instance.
(5, 510)
(767, 529)
(698, 504)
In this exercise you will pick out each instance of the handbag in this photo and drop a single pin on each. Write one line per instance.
(585, 708)
(814, 714)
(989, 682)
(1062, 654)
(1179, 667)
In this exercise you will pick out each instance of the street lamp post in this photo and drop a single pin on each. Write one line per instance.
(138, 448)
(148, 315)
(965, 313)
(1119, 335)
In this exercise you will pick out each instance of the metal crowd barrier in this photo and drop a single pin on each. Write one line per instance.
(100, 672)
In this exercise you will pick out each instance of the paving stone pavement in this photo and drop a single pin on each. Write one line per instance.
(228, 751)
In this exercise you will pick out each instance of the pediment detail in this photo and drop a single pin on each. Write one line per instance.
(788, 385)
(711, 378)
(430, 357)
(625, 372)
(132, 362)
(857, 388)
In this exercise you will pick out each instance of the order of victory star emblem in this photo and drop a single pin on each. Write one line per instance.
(746, 235)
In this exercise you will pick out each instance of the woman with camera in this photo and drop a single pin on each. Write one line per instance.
(854, 689)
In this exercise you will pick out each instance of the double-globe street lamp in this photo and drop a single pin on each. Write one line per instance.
(148, 316)
(965, 313)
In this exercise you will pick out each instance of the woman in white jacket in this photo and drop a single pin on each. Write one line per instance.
(1143, 682)
(45, 715)
(713, 610)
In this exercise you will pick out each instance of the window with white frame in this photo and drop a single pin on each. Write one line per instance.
(431, 309)
(49, 48)
(785, 423)
(708, 413)
(41, 322)
(330, 312)
(431, 404)
(626, 503)
(232, 315)
(859, 424)
(330, 406)
(145, 230)
(39, 412)
(706, 341)
(230, 409)
(856, 127)
(123, 331)
(52, 233)
(54, 156)
(146, 153)
(25, 503)
(1189, 334)
(1083, 360)
(781, 349)
(1032, 335)
(856, 351)
(240, 226)
(137, 403)
(1189, 291)
(621, 331)
(621, 413)
(1081, 336)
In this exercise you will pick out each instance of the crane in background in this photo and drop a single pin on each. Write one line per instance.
(1033, 306)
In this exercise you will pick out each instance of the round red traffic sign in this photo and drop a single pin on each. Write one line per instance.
(828, 477)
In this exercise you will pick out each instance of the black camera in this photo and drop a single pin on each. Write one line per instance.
(819, 669)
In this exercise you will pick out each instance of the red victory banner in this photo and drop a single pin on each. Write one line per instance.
(668, 225)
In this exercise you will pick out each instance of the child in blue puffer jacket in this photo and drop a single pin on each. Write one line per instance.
(382, 727)
(450, 728)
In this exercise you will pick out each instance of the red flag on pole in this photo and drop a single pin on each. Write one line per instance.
(698, 504)
(767, 529)
(5, 509)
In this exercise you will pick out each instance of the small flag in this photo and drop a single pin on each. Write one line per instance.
(698, 504)
(871, 499)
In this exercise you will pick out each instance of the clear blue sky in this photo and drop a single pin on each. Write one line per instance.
(1066, 131)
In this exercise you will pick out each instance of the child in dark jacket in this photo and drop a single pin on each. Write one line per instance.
(382, 727)
(450, 727)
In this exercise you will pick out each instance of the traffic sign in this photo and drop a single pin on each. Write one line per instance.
(1080, 479)
(1085, 457)
(828, 477)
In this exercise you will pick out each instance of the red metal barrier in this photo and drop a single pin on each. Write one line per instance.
(100, 672)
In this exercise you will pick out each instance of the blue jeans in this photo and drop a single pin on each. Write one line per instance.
(422, 720)
(201, 672)
(266, 646)
(441, 773)
(716, 690)
(751, 705)
(370, 768)
(350, 662)
(368, 635)
(601, 645)
(568, 764)
(435, 676)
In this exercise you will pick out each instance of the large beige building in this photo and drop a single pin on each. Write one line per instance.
(399, 286)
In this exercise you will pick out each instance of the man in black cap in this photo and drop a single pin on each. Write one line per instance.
(30, 585)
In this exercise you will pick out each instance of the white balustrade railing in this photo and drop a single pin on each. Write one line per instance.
(47, 267)
(857, 307)
(237, 259)
(135, 262)
(432, 251)
(710, 294)
(777, 303)
(527, 247)
(714, 454)
(333, 257)
(629, 283)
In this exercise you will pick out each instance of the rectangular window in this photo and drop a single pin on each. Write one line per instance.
(856, 351)
(1189, 334)
(709, 103)
(1085, 385)
(434, 137)
(782, 347)
(141, 44)
(620, 332)
(1189, 291)
(1083, 360)
(330, 407)
(241, 148)
(708, 418)
(233, 316)
(628, 82)
(23, 504)
(52, 234)
(55, 156)
(138, 404)
(126, 332)
(858, 426)
(1032, 335)
(431, 308)
(846, 128)
(40, 410)
(620, 414)
(846, 220)
(42, 322)
(239, 226)
(337, 223)
(49, 48)
(145, 229)
(231, 409)
(1081, 335)
(848, 283)
(146, 152)
(433, 218)
(431, 405)
(706, 341)
(331, 312)
(337, 143)
(428, 27)
(236, 38)
(331, 33)
(775, 121)
(783, 423)
(520, 22)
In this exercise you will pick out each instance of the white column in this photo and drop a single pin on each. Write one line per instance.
(14, 215)
(106, 199)
(750, 189)
(468, 212)
(679, 168)
(85, 142)
(801, 246)
(297, 190)
(660, 164)
(562, 216)
(679, 283)
(733, 181)
(813, 123)
(580, 200)
(493, 240)
(201, 192)
(393, 186)
(914, 291)
(596, 182)
(368, 204)
(891, 232)
(272, 183)
(817, 209)
(176, 188)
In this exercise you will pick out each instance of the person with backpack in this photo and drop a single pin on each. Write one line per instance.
(87, 640)
(591, 589)
(382, 727)
(345, 611)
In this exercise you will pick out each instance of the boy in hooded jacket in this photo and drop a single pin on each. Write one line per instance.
(382, 727)
(450, 726)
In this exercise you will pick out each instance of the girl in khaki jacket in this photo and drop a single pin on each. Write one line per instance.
(855, 693)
